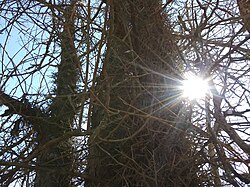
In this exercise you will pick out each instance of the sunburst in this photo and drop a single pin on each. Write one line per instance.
(194, 87)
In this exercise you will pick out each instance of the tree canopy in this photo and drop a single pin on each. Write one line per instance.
(91, 93)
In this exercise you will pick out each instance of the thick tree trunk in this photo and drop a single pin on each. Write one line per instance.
(135, 141)
(54, 164)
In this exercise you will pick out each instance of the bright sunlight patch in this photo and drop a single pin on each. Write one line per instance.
(194, 87)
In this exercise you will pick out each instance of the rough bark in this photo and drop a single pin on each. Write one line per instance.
(54, 164)
(244, 7)
(135, 141)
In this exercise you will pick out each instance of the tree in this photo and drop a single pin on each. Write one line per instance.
(244, 12)
(136, 140)
(52, 128)
(214, 43)
(91, 93)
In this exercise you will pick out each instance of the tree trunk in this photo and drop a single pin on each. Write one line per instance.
(135, 142)
(55, 162)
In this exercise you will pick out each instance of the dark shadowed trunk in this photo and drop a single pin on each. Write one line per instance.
(135, 141)
(54, 164)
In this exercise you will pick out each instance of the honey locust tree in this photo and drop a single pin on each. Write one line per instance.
(136, 141)
(42, 89)
(90, 93)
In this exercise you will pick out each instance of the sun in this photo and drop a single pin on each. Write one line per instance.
(194, 87)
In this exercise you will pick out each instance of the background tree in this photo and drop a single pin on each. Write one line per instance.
(214, 44)
(90, 93)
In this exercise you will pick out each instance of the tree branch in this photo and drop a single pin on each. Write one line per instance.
(24, 109)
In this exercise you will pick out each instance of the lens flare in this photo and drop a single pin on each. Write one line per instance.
(194, 87)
